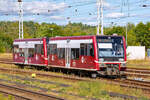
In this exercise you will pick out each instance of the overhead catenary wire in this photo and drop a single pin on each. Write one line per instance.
(76, 11)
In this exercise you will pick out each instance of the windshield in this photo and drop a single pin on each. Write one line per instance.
(110, 47)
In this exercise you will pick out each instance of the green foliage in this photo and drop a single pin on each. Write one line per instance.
(137, 35)
(116, 29)
(142, 32)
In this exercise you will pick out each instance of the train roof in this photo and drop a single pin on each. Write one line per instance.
(33, 39)
(81, 37)
(65, 37)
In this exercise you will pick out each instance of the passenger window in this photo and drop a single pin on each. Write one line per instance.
(83, 49)
(48, 49)
(16, 49)
(90, 50)
(53, 48)
(61, 53)
(86, 49)
(21, 52)
(39, 49)
(74, 53)
(31, 52)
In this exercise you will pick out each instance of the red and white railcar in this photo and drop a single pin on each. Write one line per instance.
(105, 55)
(30, 52)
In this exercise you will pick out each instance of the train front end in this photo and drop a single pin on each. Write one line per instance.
(111, 55)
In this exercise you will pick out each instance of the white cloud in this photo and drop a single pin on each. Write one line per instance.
(115, 15)
(85, 19)
(57, 18)
(33, 7)
(91, 23)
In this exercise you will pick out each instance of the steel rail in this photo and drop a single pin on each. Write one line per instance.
(31, 95)
(124, 83)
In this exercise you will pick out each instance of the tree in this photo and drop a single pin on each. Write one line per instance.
(143, 34)
(116, 30)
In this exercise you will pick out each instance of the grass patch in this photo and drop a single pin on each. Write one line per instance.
(6, 55)
(139, 63)
(88, 89)
(9, 97)
(96, 90)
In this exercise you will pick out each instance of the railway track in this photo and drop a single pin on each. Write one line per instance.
(134, 72)
(24, 94)
(144, 85)
(112, 94)
(138, 72)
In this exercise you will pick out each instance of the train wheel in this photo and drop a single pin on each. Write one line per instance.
(81, 73)
(21, 66)
(123, 77)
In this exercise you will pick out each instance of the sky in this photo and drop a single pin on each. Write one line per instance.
(116, 12)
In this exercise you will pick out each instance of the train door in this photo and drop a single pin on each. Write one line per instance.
(26, 55)
(67, 55)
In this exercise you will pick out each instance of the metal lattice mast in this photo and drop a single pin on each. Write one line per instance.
(98, 16)
(101, 6)
(21, 34)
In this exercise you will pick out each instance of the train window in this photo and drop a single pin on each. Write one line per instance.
(39, 49)
(53, 48)
(74, 53)
(48, 49)
(31, 52)
(42, 50)
(90, 50)
(16, 49)
(83, 49)
(86, 49)
(21, 52)
(61, 53)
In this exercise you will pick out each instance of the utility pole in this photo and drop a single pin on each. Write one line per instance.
(21, 34)
(100, 16)
(101, 6)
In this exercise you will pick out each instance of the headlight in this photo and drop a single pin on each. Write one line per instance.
(123, 65)
(121, 59)
(102, 65)
(101, 59)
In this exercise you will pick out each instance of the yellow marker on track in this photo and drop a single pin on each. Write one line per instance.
(33, 75)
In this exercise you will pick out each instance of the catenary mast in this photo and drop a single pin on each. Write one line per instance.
(21, 34)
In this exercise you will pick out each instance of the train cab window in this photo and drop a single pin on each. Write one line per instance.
(31, 52)
(75, 53)
(53, 49)
(16, 49)
(61, 53)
